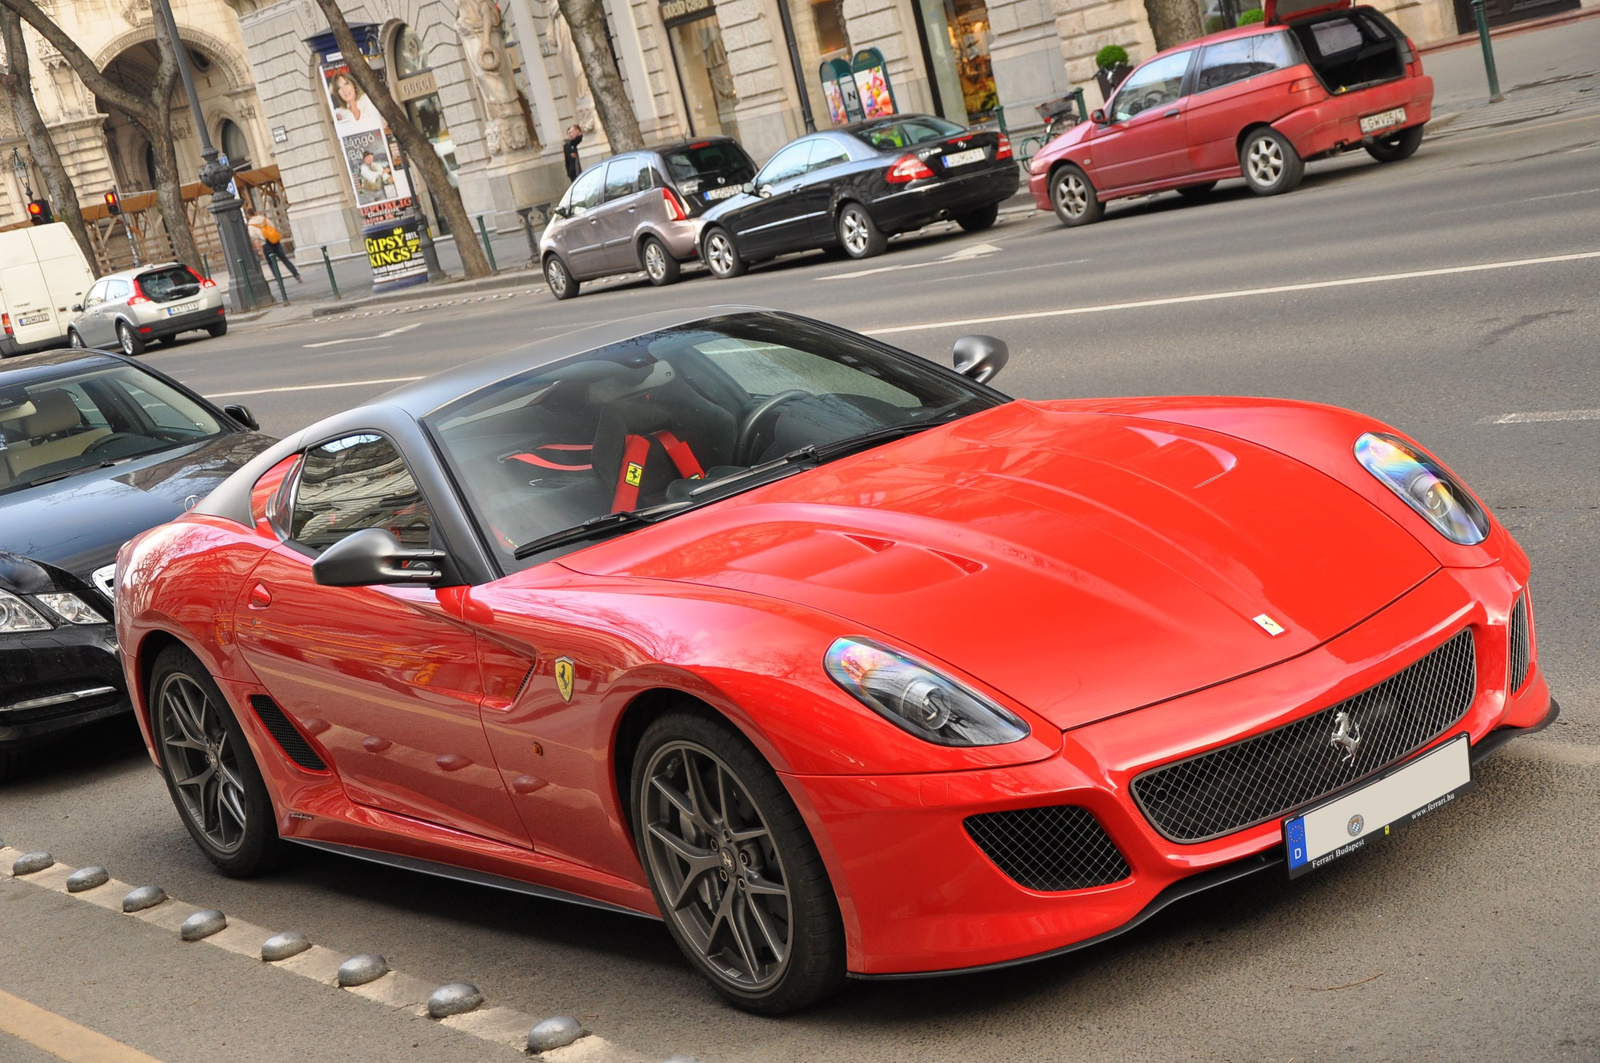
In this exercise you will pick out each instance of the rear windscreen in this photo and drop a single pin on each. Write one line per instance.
(904, 132)
(165, 285)
(722, 157)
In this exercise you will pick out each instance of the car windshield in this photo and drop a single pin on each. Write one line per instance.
(895, 133)
(709, 158)
(165, 285)
(666, 421)
(61, 425)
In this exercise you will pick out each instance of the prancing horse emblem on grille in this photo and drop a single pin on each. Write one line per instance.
(1346, 735)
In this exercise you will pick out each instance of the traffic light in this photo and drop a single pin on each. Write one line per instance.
(39, 212)
(113, 203)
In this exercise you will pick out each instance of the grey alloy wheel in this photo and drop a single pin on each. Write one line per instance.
(1073, 197)
(203, 763)
(562, 286)
(721, 256)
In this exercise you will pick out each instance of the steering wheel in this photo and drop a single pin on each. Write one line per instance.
(747, 427)
(105, 443)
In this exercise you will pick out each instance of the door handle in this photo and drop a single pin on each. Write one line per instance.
(260, 597)
(633, 210)
(1171, 114)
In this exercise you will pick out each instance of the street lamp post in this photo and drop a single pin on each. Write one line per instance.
(244, 272)
(1488, 51)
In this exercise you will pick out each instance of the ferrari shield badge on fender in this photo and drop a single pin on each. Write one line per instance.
(1267, 624)
(564, 678)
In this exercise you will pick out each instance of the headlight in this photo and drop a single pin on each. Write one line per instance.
(17, 615)
(1425, 486)
(71, 608)
(917, 699)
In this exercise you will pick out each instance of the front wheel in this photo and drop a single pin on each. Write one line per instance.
(1271, 165)
(210, 772)
(129, 340)
(1402, 145)
(658, 263)
(562, 284)
(1074, 198)
(978, 220)
(733, 868)
(859, 235)
(722, 255)
(73, 339)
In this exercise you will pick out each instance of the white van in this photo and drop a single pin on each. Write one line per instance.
(42, 276)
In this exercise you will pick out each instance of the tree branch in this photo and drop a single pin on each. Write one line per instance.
(109, 91)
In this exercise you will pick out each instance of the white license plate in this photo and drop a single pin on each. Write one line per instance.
(721, 193)
(38, 317)
(1400, 796)
(182, 308)
(962, 158)
(1374, 122)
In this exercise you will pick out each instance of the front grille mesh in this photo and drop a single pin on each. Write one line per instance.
(286, 734)
(1062, 847)
(1520, 650)
(1253, 781)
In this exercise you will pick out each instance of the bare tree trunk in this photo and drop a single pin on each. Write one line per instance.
(1173, 22)
(587, 21)
(413, 142)
(19, 83)
(169, 179)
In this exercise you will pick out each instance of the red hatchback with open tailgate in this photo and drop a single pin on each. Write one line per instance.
(1313, 80)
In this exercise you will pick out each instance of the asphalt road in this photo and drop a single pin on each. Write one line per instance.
(1427, 293)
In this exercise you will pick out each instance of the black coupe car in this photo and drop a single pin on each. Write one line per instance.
(94, 448)
(853, 187)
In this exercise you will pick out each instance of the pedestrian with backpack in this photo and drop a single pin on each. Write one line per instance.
(268, 243)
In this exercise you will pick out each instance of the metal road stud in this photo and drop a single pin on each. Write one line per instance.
(143, 897)
(28, 863)
(359, 970)
(282, 946)
(87, 878)
(202, 925)
(557, 1032)
(453, 999)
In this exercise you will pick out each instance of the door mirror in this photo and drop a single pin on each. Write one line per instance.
(243, 415)
(980, 357)
(372, 557)
(1098, 117)
(77, 308)
(748, 188)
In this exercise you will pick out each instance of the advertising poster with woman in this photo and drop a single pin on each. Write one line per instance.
(382, 193)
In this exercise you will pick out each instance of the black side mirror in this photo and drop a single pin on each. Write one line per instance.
(980, 357)
(243, 415)
(77, 308)
(1098, 117)
(373, 556)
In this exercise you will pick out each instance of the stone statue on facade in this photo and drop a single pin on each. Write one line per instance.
(479, 24)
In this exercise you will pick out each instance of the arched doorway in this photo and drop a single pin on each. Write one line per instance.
(132, 157)
(411, 74)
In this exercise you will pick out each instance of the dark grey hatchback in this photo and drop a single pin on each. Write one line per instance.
(853, 187)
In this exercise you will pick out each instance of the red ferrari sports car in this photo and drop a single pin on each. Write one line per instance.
(838, 661)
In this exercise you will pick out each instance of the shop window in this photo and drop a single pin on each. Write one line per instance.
(704, 74)
(423, 107)
(819, 35)
(955, 36)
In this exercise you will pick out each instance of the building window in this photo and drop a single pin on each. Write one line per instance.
(955, 38)
(702, 63)
(234, 144)
(819, 35)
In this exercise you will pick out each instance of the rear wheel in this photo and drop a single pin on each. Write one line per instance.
(732, 866)
(1074, 198)
(859, 235)
(209, 769)
(1271, 165)
(562, 285)
(1402, 145)
(219, 329)
(722, 254)
(658, 263)
(978, 220)
(1197, 191)
(129, 340)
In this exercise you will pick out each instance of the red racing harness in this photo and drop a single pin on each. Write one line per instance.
(635, 452)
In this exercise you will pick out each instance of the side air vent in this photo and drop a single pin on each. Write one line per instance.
(287, 735)
(1521, 648)
(1062, 847)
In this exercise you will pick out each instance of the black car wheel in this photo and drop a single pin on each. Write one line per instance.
(1271, 165)
(209, 769)
(129, 340)
(976, 221)
(859, 235)
(657, 262)
(732, 866)
(219, 329)
(721, 254)
(1199, 191)
(562, 285)
(73, 339)
(1402, 145)
(1073, 196)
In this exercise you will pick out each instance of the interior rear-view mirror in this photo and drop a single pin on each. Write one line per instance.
(372, 557)
(243, 415)
(980, 357)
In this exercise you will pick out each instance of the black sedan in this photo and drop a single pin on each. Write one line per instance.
(853, 187)
(94, 448)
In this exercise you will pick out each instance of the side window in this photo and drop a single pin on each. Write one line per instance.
(587, 190)
(1230, 61)
(646, 175)
(1155, 84)
(96, 296)
(117, 290)
(825, 153)
(353, 483)
(790, 162)
(622, 178)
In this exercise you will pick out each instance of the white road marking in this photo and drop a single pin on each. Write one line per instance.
(1563, 195)
(363, 339)
(314, 387)
(1543, 415)
(1241, 293)
(962, 255)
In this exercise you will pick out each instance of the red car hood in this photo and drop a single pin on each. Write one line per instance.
(1084, 564)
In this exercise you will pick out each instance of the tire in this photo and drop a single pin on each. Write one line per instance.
(657, 262)
(1271, 165)
(736, 876)
(1197, 191)
(219, 329)
(562, 284)
(859, 235)
(128, 340)
(978, 220)
(9, 760)
(198, 741)
(1402, 145)
(1073, 196)
(74, 340)
(721, 254)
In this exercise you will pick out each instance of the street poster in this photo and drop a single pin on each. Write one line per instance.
(872, 83)
(839, 89)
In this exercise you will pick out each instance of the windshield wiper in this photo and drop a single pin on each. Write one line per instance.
(52, 478)
(840, 447)
(805, 453)
(595, 528)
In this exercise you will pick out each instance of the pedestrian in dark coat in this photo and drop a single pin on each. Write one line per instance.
(569, 151)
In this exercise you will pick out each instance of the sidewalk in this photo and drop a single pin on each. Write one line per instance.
(1544, 71)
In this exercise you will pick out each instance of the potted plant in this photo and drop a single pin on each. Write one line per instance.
(1111, 63)
(1255, 14)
